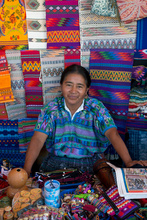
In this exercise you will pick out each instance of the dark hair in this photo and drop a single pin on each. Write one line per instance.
(74, 68)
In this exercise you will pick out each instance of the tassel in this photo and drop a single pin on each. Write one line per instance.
(114, 4)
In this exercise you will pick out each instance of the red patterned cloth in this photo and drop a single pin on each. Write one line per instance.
(71, 56)
(33, 88)
(3, 112)
(132, 10)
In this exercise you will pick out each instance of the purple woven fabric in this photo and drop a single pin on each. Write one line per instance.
(62, 22)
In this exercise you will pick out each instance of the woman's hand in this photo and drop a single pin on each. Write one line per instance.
(135, 162)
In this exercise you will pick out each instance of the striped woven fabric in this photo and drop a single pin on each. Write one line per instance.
(25, 132)
(52, 66)
(17, 108)
(110, 70)
(9, 143)
(62, 22)
(33, 88)
(141, 42)
(36, 23)
(6, 94)
(71, 56)
(126, 206)
(9, 134)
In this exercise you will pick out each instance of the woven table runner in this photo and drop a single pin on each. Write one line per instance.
(36, 23)
(72, 56)
(6, 94)
(52, 66)
(33, 87)
(17, 108)
(25, 132)
(110, 70)
(62, 22)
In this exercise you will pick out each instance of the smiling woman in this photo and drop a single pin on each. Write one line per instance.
(75, 128)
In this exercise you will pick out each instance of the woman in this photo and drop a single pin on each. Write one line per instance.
(76, 129)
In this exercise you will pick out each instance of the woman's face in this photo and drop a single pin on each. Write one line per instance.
(74, 90)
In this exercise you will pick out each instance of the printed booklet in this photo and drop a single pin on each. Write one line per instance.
(131, 182)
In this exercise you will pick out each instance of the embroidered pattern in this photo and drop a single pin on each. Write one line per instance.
(13, 32)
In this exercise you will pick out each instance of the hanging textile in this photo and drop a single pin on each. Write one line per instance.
(36, 23)
(9, 134)
(141, 42)
(62, 22)
(137, 114)
(33, 88)
(72, 56)
(25, 132)
(52, 66)
(104, 32)
(17, 108)
(3, 111)
(6, 94)
(13, 32)
(110, 71)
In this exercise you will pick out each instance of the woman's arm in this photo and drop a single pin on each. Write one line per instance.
(120, 147)
(34, 148)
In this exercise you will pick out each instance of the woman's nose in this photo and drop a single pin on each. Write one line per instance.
(73, 89)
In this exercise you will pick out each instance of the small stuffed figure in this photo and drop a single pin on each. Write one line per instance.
(5, 168)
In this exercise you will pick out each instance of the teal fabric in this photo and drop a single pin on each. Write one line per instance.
(104, 8)
(80, 137)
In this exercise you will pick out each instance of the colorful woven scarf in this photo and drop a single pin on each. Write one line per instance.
(72, 56)
(110, 71)
(25, 131)
(36, 23)
(62, 22)
(52, 66)
(6, 94)
(17, 108)
(13, 25)
(33, 88)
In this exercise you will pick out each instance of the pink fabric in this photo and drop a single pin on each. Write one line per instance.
(132, 10)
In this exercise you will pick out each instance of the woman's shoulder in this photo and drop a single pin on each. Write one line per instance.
(94, 103)
(53, 105)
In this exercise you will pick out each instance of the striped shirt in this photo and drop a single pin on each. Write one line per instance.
(80, 137)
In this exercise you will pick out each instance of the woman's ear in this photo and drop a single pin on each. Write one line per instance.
(87, 93)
